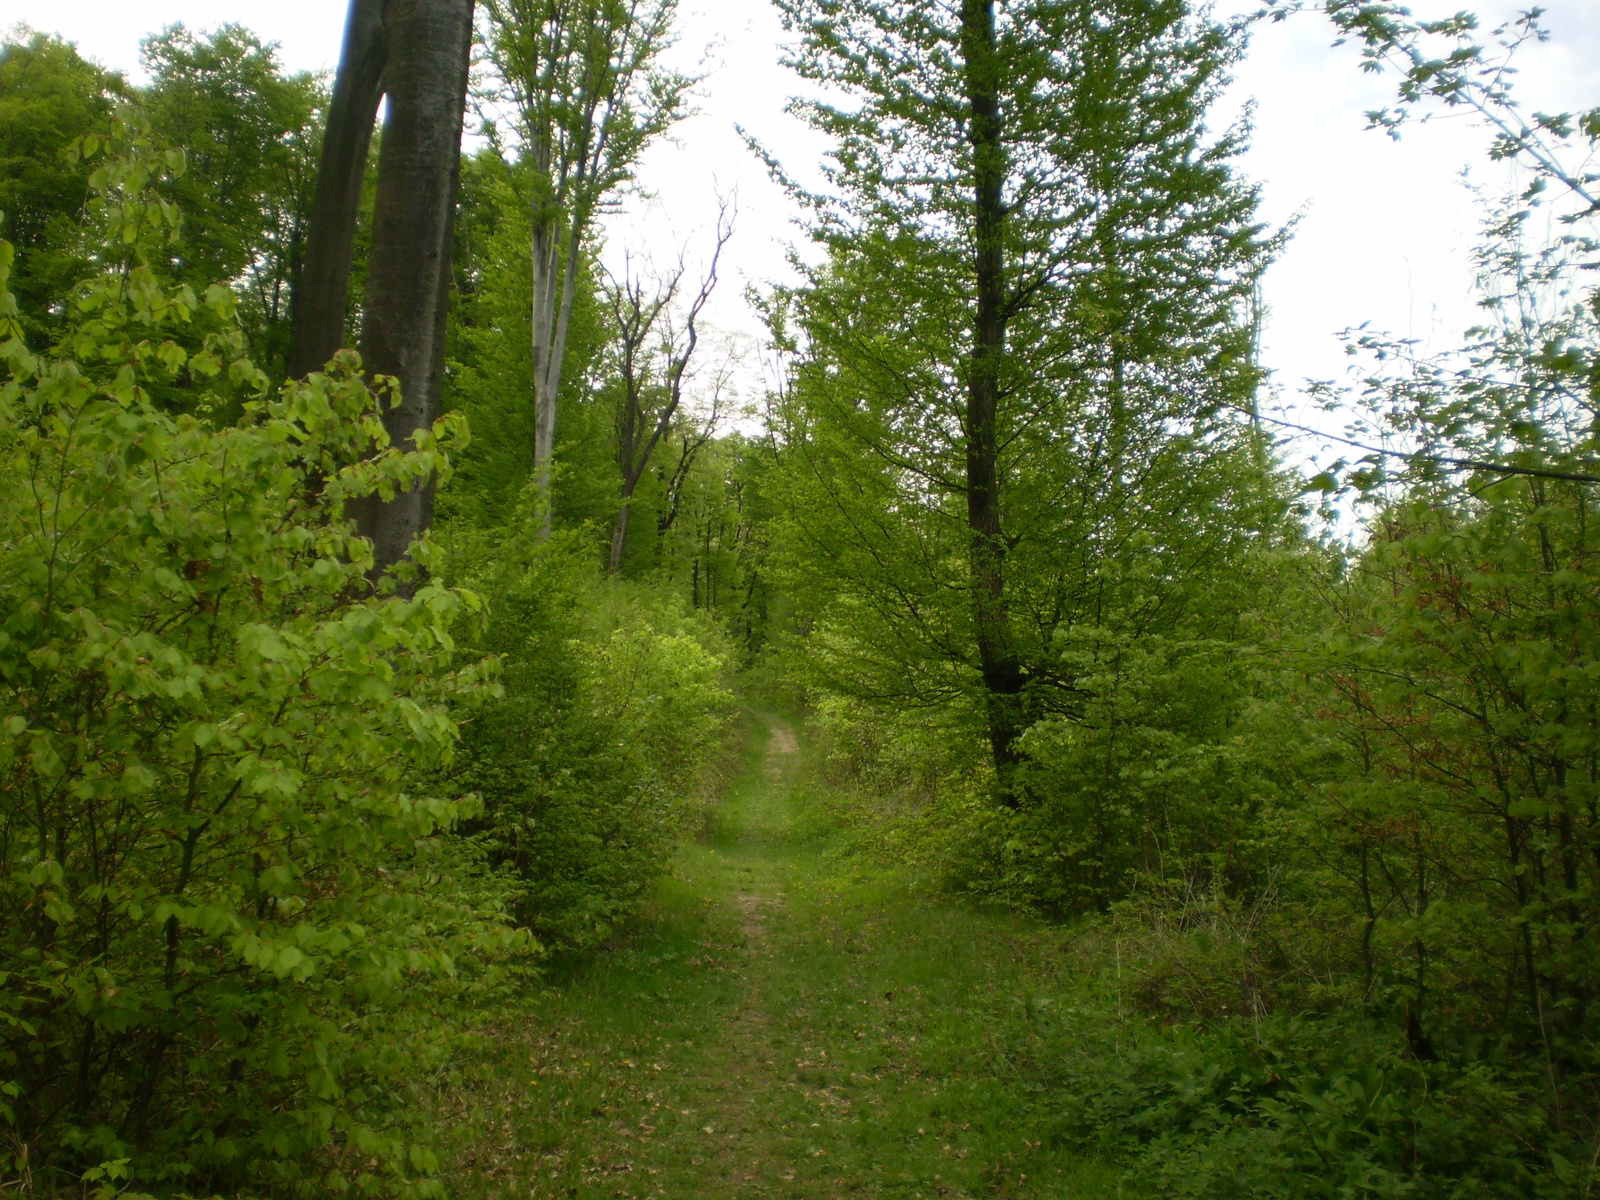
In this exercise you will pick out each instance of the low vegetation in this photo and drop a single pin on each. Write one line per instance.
(999, 774)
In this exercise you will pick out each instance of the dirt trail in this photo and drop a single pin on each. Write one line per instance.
(782, 746)
(775, 1029)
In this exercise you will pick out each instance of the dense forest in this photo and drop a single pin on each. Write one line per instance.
(455, 741)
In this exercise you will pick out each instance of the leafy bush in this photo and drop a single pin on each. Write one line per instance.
(1425, 947)
(1291, 1109)
(1159, 781)
(1150, 781)
(609, 734)
(904, 788)
(223, 903)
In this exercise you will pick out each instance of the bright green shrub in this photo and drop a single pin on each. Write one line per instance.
(904, 788)
(1397, 999)
(1424, 944)
(595, 760)
(222, 901)
(1158, 781)
(1150, 783)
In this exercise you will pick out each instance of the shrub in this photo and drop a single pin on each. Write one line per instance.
(1293, 1109)
(222, 901)
(607, 737)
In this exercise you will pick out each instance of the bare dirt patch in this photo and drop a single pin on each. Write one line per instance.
(781, 745)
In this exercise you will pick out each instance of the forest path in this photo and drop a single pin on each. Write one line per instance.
(775, 1028)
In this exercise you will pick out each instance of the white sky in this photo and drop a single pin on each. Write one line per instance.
(1385, 229)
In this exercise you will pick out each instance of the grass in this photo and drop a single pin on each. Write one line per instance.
(777, 1026)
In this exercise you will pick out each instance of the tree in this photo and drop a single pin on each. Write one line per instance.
(1445, 61)
(712, 526)
(1013, 367)
(249, 133)
(651, 364)
(598, 757)
(49, 98)
(1458, 676)
(491, 364)
(408, 267)
(589, 96)
(417, 52)
(322, 292)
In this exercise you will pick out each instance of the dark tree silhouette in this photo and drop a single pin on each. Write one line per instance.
(323, 292)
(417, 52)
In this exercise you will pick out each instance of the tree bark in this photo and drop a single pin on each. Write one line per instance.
(619, 528)
(408, 273)
(322, 292)
(576, 68)
(552, 319)
(1002, 670)
(635, 324)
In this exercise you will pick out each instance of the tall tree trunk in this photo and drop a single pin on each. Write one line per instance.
(636, 320)
(408, 274)
(544, 258)
(322, 291)
(555, 277)
(1003, 674)
(619, 529)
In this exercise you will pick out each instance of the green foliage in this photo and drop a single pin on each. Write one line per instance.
(1288, 1109)
(491, 368)
(49, 98)
(1328, 824)
(1149, 780)
(590, 95)
(604, 746)
(249, 131)
(1350, 800)
(1460, 833)
(1164, 773)
(1131, 496)
(227, 905)
(250, 134)
(840, 1033)
(1430, 745)
(703, 530)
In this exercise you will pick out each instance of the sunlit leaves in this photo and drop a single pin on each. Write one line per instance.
(208, 728)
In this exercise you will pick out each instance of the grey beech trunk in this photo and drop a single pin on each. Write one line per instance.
(413, 225)
(999, 662)
(417, 52)
(557, 242)
(589, 98)
(322, 294)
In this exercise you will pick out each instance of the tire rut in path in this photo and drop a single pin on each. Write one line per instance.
(745, 1071)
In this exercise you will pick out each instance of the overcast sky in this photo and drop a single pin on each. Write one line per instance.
(1384, 228)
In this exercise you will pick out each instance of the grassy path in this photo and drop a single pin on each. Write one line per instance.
(774, 1030)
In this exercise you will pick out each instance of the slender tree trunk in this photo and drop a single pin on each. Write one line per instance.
(638, 435)
(619, 530)
(554, 291)
(544, 402)
(632, 337)
(408, 275)
(1003, 675)
(322, 291)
